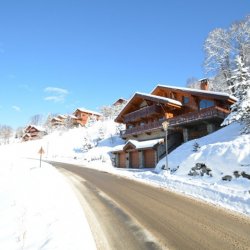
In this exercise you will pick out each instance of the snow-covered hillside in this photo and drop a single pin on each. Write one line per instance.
(223, 151)
(91, 143)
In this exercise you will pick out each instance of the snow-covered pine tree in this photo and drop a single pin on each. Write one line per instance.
(240, 111)
(196, 147)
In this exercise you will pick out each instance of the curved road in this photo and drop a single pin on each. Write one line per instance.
(125, 214)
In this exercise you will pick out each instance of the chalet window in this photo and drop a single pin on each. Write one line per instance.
(206, 104)
(185, 99)
(142, 123)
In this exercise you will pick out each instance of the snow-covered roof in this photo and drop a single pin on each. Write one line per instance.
(160, 98)
(56, 119)
(156, 97)
(62, 116)
(89, 111)
(118, 148)
(144, 144)
(72, 116)
(119, 100)
(38, 128)
(196, 91)
(138, 144)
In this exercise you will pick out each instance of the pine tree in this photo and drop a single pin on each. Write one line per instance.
(240, 111)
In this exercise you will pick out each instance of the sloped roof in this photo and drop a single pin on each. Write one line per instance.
(122, 100)
(88, 111)
(219, 95)
(150, 97)
(38, 128)
(56, 119)
(160, 98)
(72, 116)
(138, 144)
(62, 116)
(145, 144)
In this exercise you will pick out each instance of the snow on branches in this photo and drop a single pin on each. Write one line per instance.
(240, 111)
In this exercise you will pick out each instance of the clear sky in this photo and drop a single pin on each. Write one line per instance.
(57, 55)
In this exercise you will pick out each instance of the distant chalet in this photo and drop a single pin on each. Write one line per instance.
(82, 116)
(191, 114)
(33, 132)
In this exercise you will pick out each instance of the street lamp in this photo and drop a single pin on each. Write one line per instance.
(165, 125)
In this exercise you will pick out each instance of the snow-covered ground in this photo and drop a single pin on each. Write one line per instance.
(39, 211)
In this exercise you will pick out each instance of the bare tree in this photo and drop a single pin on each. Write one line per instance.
(222, 47)
(217, 54)
(111, 112)
(19, 132)
(6, 133)
(193, 82)
(36, 119)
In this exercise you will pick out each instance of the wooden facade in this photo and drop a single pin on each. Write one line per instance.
(191, 114)
(136, 154)
(58, 121)
(33, 132)
(82, 116)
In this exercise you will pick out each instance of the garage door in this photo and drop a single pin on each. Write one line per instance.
(134, 159)
(149, 158)
(122, 160)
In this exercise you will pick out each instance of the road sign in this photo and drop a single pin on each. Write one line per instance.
(41, 151)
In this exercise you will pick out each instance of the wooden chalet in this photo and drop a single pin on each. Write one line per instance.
(191, 113)
(58, 121)
(33, 132)
(120, 101)
(82, 116)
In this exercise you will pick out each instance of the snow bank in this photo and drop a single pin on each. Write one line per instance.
(38, 209)
(223, 151)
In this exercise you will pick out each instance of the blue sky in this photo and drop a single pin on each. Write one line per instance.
(56, 55)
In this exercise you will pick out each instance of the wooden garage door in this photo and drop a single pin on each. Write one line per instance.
(122, 160)
(149, 158)
(134, 159)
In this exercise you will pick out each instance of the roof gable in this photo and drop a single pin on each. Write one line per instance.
(138, 98)
(34, 127)
(83, 110)
(196, 92)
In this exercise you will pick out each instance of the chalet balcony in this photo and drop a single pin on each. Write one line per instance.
(142, 113)
(142, 129)
(204, 114)
(181, 120)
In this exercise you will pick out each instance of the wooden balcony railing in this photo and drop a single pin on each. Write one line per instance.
(140, 129)
(204, 114)
(212, 112)
(144, 112)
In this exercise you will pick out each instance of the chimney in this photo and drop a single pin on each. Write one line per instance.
(204, 84)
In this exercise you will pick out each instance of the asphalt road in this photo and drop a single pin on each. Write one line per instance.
(125, 214)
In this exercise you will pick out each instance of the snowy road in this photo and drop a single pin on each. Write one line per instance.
(125, 214)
